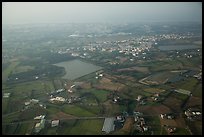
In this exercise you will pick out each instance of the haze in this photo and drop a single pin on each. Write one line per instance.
(81, 12)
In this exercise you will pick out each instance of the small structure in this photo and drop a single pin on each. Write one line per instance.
(139, 98)
(27, 103)
(60, 90)
(60, 99)
(6, 95)
(55, 123)
(108, 125)
(34, 100)
(39, 117)
(182, 91)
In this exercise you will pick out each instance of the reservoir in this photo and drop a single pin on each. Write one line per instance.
(77, 68)
(178, 47)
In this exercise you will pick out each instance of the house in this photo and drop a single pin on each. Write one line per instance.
(55, 123)
(108, 125)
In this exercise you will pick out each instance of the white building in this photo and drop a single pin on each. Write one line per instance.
(55, 123)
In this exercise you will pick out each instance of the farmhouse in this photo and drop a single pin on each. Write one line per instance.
(108, 125)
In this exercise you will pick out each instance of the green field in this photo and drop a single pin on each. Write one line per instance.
(83, 127)
(20, 69)
(32, 89)
(5, 102)
(9, 70)
(101, 95)
(197, 91)
(181, 131)
(189, 84)
(76, 111)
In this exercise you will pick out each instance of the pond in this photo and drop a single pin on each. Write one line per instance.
(178, 47)
(77, 68)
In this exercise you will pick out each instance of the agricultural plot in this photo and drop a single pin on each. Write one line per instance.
(154, 110)
(189, 84)
(107, 84)
(173, 103)
(101, 95)
(197, 92)
(136, 68)
(82, 127)
(76, 111)
(194, 102)
(9, 70)
(111, 109)
(154, 90)
(20, 69)
(62, 116)
(157, 78)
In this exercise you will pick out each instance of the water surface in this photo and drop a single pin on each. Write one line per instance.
(76, 68)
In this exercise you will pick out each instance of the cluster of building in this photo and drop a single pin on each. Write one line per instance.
(155, 97)
(31, 102)
(141, 100)
(40, 125)
(57, 99)
(140, 123)
(170, 129)
(6, 95)
(98, 75)
(193, 114)
(70, 89)
(167, 116)
(57, 92)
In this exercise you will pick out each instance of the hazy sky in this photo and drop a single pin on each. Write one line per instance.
(53, 12)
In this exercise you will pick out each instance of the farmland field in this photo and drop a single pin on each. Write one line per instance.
(83, 127)
(76, 111)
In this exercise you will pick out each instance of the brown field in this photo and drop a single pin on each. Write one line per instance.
(106, 84)
(86, 85)
(111, 109)
(169, 122)
(127, 78)
(128, 124)
(154, 110)
(173, 103)
(178, 122)
(158, 78)
(62, 115)
(123, 59)
(194, 101)
(138, 69)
